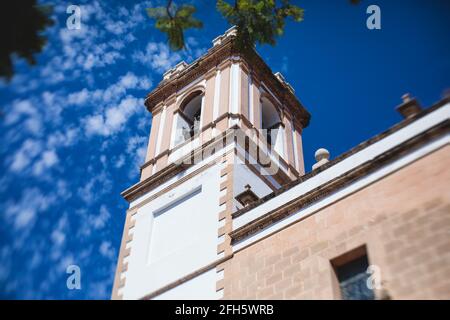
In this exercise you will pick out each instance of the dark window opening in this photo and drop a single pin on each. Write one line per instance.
(352, 275)
(272, 131)
(270, 121)
(191, 113)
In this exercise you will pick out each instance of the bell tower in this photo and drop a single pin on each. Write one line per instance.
(226, 131)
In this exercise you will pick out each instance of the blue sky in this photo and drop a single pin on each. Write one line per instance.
(74, 129)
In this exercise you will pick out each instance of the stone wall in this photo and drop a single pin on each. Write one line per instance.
(403, 220)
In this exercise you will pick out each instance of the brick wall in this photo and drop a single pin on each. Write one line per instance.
(404, 221)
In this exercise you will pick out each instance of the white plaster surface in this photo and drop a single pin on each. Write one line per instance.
(175, 235)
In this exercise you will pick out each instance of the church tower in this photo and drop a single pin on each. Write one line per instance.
(226, 131)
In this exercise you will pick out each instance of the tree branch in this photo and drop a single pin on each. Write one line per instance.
(169, 4)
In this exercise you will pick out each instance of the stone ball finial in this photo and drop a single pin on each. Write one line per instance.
(322, 156)
(406, 97)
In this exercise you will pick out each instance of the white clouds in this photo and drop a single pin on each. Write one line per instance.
(84, 49)
(19, 108)
(157, 56)
(114, 118)
(129, 80)
(48, 98)
(111, 94)
(135, 143)
(47, 160)
(58, 235)
(31, 155)
(119, 162)
(117, 27)
(113, 106)
(95, 125)
(103, 33)
(26, 111)
(86, 192)
(129, 19)
(65, 138)
(94, 187)
(27, 152)
(79, 97)
(64, 262)
(62, 185)
(100, 289)
(95, 221)
(193, 48)
(136, 149)
(24, 217)
(23, 212)
(99, 59)
(89, 62)
(285, 65)
(107, 250)
(100, 220)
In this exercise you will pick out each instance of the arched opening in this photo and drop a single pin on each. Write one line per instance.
(188, 123)
(270, 121)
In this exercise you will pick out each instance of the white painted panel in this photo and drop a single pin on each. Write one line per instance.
(235, 69)
(172, 229)
(184, 234)
(167, 248)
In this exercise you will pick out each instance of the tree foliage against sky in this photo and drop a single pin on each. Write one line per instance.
(173, 20)
(257, 21)
(21, 27)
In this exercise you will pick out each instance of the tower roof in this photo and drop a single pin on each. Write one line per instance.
(225, 48)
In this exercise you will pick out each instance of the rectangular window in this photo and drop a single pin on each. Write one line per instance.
(352, 276)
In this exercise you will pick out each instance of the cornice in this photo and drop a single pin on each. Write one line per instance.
(212, 124)
(171, 170)
(336, 184)
(347, 154)
(217, 58)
